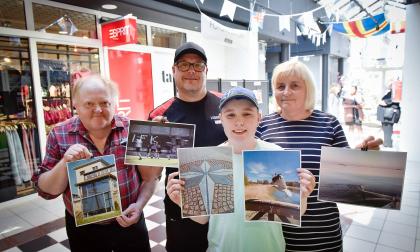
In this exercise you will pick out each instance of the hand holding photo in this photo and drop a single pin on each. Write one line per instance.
(94, 189)
(272, 190)
(208, 176)
(153, 143)
(364, 178)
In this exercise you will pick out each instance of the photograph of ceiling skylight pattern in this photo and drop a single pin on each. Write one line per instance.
(208, 176)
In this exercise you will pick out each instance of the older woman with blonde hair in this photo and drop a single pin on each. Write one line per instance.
(297, 125)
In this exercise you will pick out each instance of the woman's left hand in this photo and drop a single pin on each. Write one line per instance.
(307, 181)
(370, 143)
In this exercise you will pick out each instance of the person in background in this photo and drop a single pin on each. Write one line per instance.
(97, 131)
(335, 100)
(353, 111)
(193, 105)
(388, 113)
(298, 126)
(230, 232)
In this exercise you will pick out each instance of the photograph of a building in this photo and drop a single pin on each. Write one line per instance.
(208, 176)
(272, 190)
(155, 143)
(94, 187)
(364, 178)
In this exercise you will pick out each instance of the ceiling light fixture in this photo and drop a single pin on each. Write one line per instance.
(109, 6)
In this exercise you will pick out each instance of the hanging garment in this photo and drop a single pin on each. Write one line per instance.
(27, 151)
(18, 164)
(6, 175)
(22, 167)
(33, 150)
(13, 162)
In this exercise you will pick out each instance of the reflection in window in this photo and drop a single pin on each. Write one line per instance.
(60, 66)
(61, 21)
(167, 38)
(141, 34)
(12, 14)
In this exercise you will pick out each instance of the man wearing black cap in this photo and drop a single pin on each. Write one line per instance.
(193, 105)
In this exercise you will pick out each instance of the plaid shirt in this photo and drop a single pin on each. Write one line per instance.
(72, 132)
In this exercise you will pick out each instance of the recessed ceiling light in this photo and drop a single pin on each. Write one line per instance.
(109, 6)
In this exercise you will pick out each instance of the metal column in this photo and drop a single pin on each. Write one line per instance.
(325, 77)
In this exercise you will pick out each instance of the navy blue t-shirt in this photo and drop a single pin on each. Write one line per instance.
(208, 131)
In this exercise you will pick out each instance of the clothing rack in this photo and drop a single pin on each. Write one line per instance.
(13, 124)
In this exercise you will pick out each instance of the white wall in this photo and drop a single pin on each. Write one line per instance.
(314, 63)
(411, 89)
(215, 55)
(231, 63)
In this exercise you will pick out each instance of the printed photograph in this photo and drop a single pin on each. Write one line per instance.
(364, 178)
(208, 176)
(272, 189)
(94, 189)
(155, 144)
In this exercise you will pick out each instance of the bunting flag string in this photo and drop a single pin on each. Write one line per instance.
(397, 27)
(284, 23)
(356, 28)
(228, 9)
(257, 20)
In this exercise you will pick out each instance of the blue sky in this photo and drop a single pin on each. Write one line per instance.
(71, 165)
(262, 165)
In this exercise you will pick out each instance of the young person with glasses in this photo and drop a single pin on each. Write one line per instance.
(194, 105)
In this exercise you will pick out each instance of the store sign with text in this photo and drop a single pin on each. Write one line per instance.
(120, 32)
(163, 85)
(132, 71)
(221, 34)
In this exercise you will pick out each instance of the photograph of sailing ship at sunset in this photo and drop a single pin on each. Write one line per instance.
(364, 178)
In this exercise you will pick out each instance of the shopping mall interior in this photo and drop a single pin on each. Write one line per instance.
(358, 51)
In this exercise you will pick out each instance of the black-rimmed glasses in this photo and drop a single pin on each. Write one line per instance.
(184, 66)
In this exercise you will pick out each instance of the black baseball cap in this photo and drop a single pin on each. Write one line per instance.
(238, 93)
(190, 47)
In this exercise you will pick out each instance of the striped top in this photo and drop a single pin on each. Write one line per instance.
(321, 230)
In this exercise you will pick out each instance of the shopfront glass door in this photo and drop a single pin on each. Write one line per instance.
(19, 141)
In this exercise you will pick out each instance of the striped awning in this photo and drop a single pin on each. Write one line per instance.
(364, 28)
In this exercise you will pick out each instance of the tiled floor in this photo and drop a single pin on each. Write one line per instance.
(387, 230)
(34, 224)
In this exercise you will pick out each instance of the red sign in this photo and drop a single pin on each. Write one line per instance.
(132, 71)
(119, 32)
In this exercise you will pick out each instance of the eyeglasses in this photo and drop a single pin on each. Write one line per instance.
(92, 105)
(184, 66)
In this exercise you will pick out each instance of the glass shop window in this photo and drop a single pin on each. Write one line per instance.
(167, 38)
(61, 21)
(19, 142)
(12, 14)
(141, 34)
